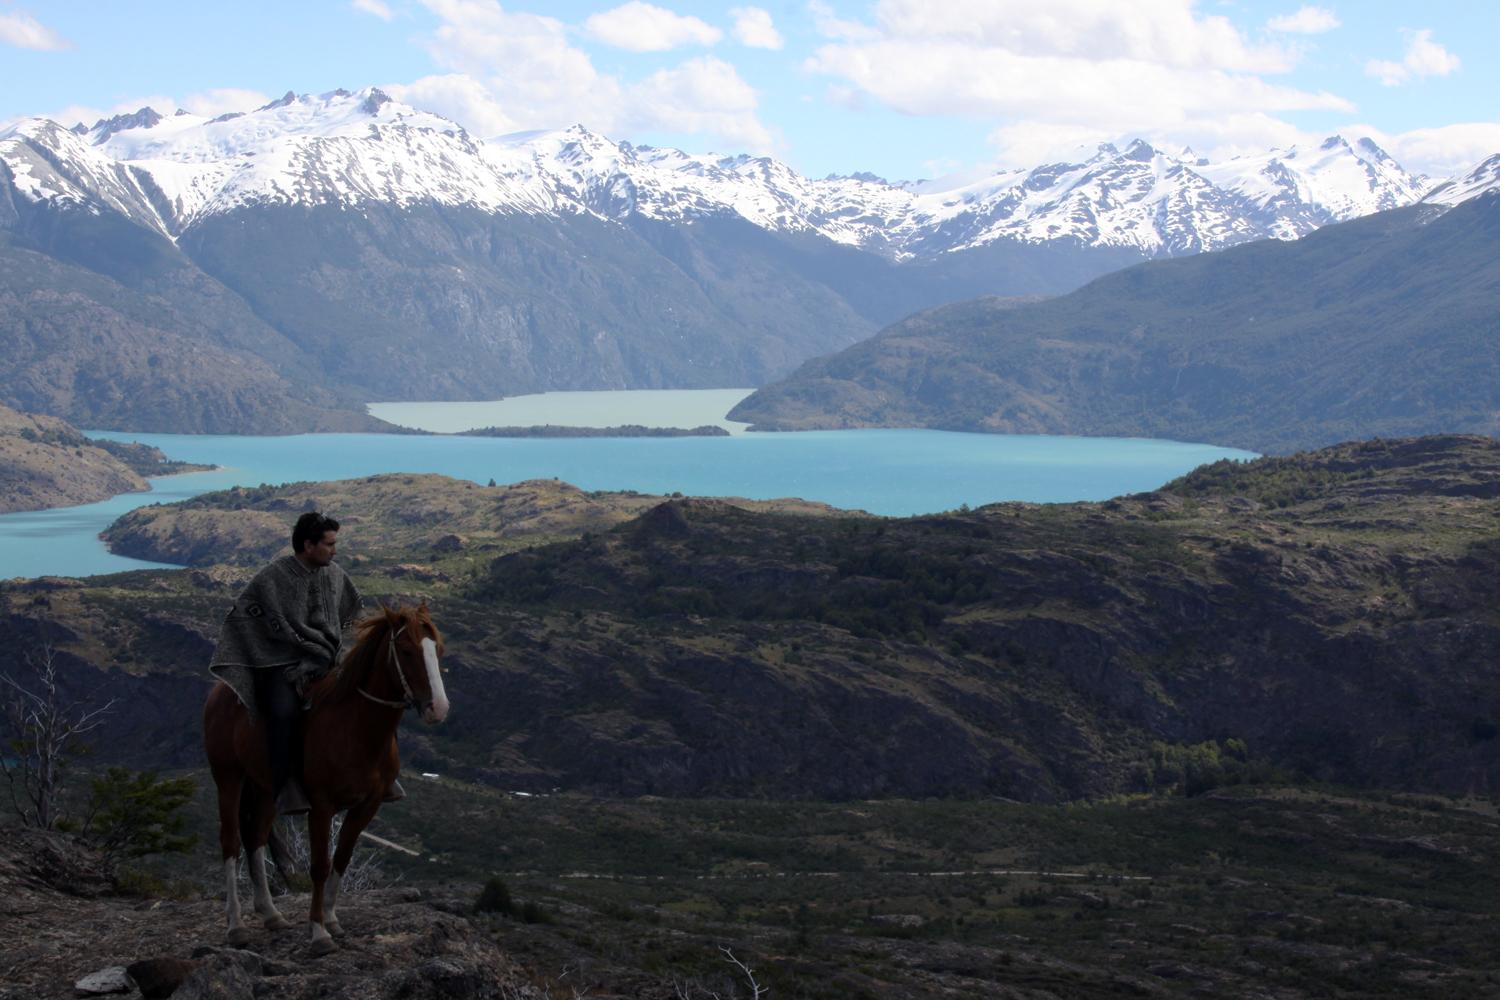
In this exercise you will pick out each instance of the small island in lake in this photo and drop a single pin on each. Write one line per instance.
(622, 430)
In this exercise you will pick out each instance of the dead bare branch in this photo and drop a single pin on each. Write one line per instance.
(42, 734)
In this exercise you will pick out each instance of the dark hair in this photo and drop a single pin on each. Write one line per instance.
(310, 528)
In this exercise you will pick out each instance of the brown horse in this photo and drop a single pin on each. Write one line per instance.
(349, 755)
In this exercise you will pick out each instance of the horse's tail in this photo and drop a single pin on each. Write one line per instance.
(281, 856)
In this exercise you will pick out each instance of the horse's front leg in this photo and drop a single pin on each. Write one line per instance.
(318, 822)
(355, 820)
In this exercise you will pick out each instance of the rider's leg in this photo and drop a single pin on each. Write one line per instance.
(280, 706)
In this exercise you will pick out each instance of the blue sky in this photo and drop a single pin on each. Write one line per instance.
(902, 88)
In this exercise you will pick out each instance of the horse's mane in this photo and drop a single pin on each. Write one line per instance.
(371, 634)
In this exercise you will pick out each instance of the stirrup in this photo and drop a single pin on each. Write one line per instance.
(395, 793)
(292, 801)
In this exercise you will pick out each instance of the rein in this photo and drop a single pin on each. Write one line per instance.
(411, 698)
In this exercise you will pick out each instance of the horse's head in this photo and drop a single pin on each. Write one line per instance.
(413, 647)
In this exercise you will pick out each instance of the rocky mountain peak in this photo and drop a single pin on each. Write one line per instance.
(106, 127)
(374, 102)
(290, 97)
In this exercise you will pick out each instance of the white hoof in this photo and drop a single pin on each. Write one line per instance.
(322, 944)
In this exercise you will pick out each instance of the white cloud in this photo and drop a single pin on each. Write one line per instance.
(512, 71)
(830, 25)
(212, 103)
(1424, 57)
(1050, 76)
(644, 27)
(1161, 32)
(1389, 73)
(74, 114)
(460, 98)
(525, 62)
(375, 8)
(703, 95)
(1440, 153)
(23, 31)
(935, 78)
(753, 27)
(1306, 21)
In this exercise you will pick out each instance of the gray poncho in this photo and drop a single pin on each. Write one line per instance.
(289, 617)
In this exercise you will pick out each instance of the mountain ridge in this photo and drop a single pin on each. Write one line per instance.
(349, 147)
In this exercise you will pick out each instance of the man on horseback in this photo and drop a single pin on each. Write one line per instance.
(284, 632)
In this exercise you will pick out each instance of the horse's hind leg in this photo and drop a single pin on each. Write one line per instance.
(259, 822)
(230, 785)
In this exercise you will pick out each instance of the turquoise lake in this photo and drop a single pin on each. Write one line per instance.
(890, 472)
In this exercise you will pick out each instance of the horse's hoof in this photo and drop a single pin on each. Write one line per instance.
(323, 946)
(334, 927)
(239, 937)
(278, 923)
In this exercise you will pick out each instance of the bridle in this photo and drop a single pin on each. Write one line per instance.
(411, 698)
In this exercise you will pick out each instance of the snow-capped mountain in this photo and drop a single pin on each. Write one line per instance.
(1482, 179)
(1296, 190)
(342, 148)
(320, 251)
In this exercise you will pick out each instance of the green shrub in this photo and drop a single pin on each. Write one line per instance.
(494, 897)
(135, 813)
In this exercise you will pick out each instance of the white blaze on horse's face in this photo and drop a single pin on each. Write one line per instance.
(438, 710)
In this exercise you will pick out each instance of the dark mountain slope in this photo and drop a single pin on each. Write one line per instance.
(436, 302)
(106, 324)
(1385, 325)
(1336, 612)
(504, 304)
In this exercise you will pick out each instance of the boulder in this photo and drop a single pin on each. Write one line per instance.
(103, 982)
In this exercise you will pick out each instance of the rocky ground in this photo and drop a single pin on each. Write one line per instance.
(61, 924)
(405, 519)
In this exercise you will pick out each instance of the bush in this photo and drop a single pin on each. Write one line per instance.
(135, 813)
(495, 898)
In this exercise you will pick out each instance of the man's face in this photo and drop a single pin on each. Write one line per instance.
(321, 552)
